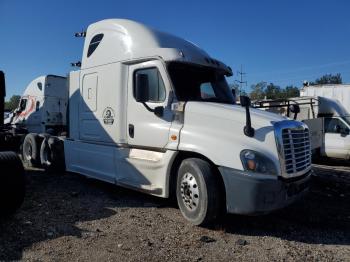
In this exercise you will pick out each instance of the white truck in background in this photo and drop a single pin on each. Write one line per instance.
(42, 111)
(43, 106)
(327, 119)
(153, 112)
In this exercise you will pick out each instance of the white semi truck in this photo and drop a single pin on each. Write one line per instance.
(42, 111)
(153, 112)
(43, 106)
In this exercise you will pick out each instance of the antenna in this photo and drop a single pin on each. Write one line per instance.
(241, 82)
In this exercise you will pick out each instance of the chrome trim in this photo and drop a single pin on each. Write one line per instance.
(279, 127)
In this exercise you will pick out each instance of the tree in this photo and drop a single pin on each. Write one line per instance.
(12, 103)
(258, 91)
(291, 91)
(273, 92)
(328, 79)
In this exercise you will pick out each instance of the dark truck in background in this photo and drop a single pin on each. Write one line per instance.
(12, 179)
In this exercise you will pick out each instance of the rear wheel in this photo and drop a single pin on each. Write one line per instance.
(31, 150)
(198, 191)
(12, 183)
(52, 154)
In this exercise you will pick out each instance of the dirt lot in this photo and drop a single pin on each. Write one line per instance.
(68, 217)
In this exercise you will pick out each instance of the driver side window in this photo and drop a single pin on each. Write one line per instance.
(23, 104)
(334, 125)
(155, 82)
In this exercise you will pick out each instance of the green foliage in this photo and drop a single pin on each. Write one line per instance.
(12, 103)
(258, 91)
(263, 90)
(328, 79)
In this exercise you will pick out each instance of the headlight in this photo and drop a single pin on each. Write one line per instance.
(256, 162)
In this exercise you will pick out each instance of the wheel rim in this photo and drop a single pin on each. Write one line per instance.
(28, 152)
(189, 191)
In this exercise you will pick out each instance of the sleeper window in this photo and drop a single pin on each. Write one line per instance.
(95, 41)
(155, 83)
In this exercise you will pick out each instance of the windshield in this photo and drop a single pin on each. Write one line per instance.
(199, 83)
(346, 119)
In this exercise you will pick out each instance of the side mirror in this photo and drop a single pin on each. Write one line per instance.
(245, 101)
(141, 88)
(159, 111)
(344, 131)
(295, 109)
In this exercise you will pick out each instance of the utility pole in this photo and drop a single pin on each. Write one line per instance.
(241, 82)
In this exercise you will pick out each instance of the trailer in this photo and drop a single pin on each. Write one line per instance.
(340, 92)
(12, 180)
(153, 112)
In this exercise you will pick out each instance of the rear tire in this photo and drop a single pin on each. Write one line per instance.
(198, 191)
(31, 150)
(12, 183)
(52, 154)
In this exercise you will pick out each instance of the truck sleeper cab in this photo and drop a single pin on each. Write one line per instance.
(153, 112)
(43, 105)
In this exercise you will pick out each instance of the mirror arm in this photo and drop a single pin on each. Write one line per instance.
(158, 111)
(248, 130)
(147, 107)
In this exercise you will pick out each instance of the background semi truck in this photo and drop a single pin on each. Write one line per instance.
(153, 112)
(42, 111)
(12, 180)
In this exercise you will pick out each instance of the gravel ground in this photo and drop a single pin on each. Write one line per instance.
(68, 217)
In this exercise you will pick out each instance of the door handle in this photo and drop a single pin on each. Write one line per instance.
(131, 130)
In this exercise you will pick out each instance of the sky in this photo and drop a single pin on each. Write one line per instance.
(279, 41)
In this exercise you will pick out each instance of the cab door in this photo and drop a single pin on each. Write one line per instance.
(147, 129)
(337, 138)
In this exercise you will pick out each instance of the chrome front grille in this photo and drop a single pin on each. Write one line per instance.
(296, 149)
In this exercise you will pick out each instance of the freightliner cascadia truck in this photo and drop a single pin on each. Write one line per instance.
(150, 111)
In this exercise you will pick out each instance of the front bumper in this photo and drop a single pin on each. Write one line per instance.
(251, 195)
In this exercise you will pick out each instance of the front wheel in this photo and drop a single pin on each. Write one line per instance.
(198, 191)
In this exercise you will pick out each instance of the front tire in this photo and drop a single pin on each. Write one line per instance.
(198, 191)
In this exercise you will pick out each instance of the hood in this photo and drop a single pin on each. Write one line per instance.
(216, 131)
(233, 113)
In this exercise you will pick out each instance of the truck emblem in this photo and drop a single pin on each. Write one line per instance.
(108, 116)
